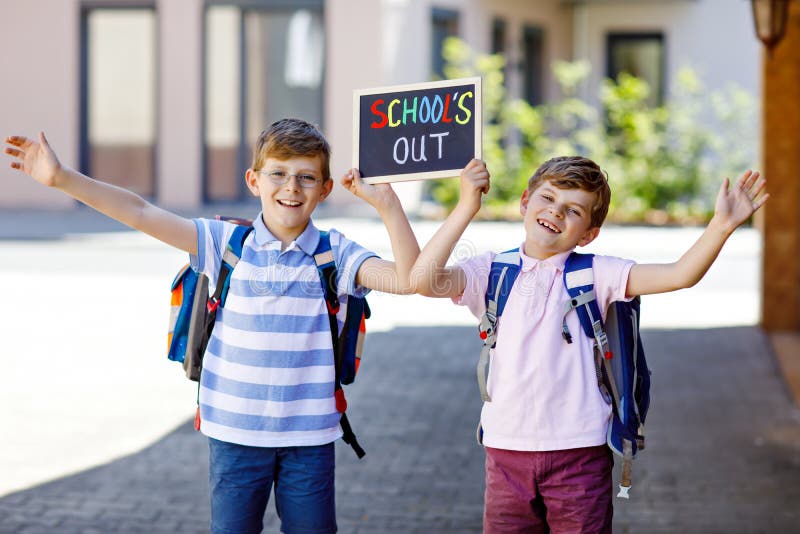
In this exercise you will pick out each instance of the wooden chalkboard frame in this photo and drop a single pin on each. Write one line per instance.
(425, 175)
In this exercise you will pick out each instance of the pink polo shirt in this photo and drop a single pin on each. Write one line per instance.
(544, 391)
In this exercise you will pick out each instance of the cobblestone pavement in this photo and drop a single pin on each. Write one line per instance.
(723, 449)
(99, 445)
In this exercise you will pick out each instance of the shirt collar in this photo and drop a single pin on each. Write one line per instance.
(306, 241)
(557, 261)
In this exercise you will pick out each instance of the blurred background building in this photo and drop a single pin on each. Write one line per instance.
(165, 97)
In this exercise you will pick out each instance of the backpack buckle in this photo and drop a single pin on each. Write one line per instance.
(331, 309)
(341, 402)
(565, 332)
(486, 326)
(601, 338)
(212, 305)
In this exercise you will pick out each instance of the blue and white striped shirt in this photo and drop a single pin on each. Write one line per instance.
(268, 373)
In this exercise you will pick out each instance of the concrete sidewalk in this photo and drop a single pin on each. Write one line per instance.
(723, 449)
(96, 418)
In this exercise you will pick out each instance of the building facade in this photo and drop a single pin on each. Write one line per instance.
(165, 97)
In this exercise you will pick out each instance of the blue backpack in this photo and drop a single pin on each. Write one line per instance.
(194, 313)
(623, 375)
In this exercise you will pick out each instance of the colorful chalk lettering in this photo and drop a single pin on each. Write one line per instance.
(422, 110)
(420, 131)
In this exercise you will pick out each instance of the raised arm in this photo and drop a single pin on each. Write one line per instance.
(733, 207)
(375, 273)
(39, 161)
(430, 276)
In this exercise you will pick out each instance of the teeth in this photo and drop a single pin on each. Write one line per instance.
(292, 203)
(549, 226)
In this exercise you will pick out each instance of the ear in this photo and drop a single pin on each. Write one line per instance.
(327, 187)
(523, 202)
(589, 236)
(251, 179)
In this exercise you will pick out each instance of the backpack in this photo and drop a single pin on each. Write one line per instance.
(622, 371)
(193, 313)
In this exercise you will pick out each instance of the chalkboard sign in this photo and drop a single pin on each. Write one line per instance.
(416, 132)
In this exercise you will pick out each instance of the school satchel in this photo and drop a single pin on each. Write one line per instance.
(193, 313)
(622, 371)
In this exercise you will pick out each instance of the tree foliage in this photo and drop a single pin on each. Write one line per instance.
(664, 163)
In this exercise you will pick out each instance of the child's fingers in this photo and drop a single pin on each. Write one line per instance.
(346, 181)
(757, 188)
(352, 180)
(15, 153)
(752, 180)
(746, 180)
(16, 140)
(760, 202)
(723, 188)
(474, 164)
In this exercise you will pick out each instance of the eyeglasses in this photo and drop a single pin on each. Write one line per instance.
(281, 177)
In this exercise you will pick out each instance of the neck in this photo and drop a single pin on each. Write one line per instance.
(537, 253)
(284, 235)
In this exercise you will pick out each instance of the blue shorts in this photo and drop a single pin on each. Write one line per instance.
(242, 477)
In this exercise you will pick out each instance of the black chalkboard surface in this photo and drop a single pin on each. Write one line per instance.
(415, 132)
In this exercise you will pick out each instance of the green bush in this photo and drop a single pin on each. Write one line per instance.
(664, 163)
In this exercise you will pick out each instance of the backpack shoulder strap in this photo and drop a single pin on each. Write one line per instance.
(231, 256)
(503, 273)
(579, 283)
(326, 267)
(504, 270)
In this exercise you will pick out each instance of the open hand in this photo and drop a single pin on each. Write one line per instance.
(736, 204)
(377, 195)
(36, 159)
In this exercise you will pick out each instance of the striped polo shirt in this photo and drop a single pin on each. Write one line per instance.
(268, 373)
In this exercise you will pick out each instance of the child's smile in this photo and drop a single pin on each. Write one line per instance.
(548, 225)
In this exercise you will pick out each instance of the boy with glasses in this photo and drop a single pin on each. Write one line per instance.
(267, 387)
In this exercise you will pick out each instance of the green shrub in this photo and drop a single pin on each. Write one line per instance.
(664, 163)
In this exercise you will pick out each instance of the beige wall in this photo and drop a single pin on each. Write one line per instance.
(41, 84)
(715, 37)
(38, 89)
(370, 43)
(555, 18)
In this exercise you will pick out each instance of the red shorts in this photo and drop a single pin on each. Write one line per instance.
(549, 491)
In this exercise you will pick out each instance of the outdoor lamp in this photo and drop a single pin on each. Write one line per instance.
(770, 20)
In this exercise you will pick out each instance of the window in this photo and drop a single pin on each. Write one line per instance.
(118, 96)
(641, 55)
(499, 36)
(444, 25)
(261, 64)
(532, 54)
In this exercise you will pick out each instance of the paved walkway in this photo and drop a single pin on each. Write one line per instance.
(97, 435)
(723, 453)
